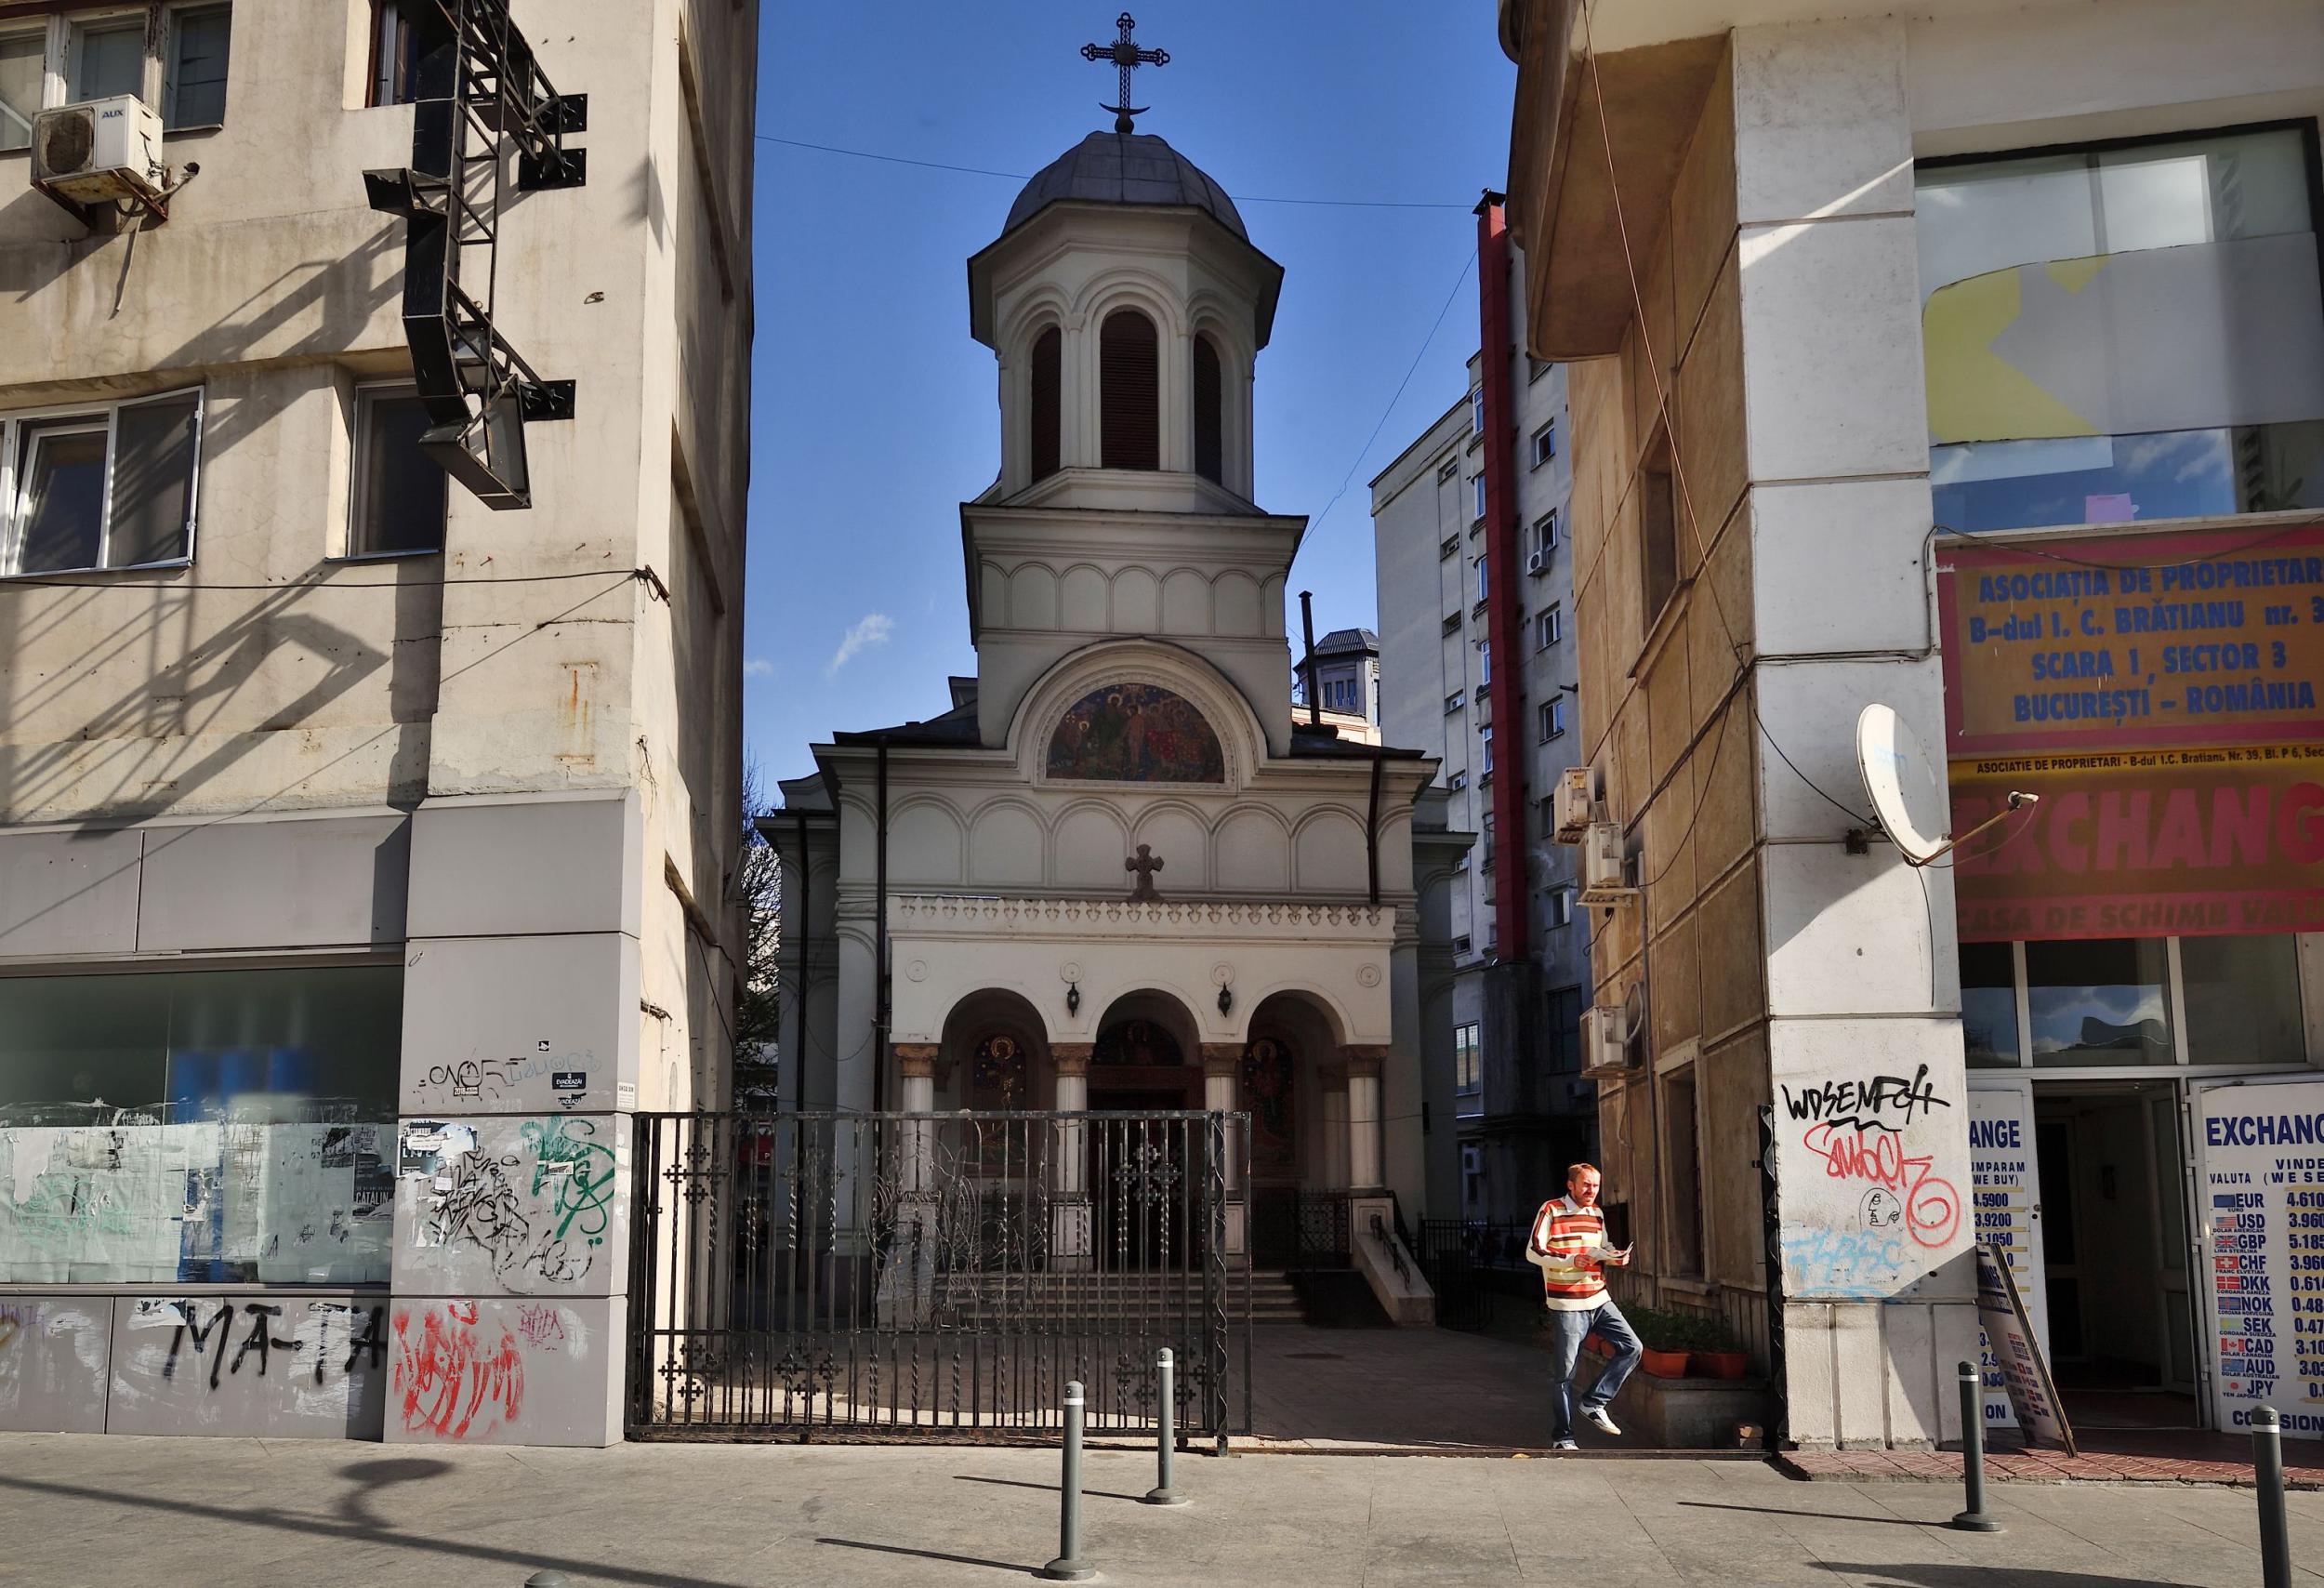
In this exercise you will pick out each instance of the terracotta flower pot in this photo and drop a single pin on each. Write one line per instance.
(1663, 1364)
(1721, 1363)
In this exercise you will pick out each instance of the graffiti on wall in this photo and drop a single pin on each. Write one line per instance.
(480, 1369)
(517, 1081)
(526, 1205)
(277, 1363)
(1870, 1202)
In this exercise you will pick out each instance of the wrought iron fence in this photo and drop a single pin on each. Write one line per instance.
(821, 1274)
(1300, 1230)
(1467, 1263)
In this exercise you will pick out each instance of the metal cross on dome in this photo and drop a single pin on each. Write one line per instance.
(1125, 55)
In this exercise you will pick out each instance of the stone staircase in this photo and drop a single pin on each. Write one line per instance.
(1112, 1300)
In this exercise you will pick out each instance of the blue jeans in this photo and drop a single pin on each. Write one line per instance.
(1567, 1333)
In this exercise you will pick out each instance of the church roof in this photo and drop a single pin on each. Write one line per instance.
(1341, 639)
(1125, 167)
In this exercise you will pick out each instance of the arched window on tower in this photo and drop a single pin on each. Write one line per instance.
(1048, 405)
(1209, 396)
(1130, 406)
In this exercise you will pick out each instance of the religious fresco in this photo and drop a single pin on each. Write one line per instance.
(1136, 733)
(1137, 1042)
(1267, 1093)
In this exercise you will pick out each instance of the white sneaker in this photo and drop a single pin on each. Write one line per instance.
(1595, 1416)
(1565, 1445)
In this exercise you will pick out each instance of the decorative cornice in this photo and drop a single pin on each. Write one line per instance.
(971, 916)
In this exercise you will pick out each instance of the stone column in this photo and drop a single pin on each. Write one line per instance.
(1070, 1240)
(907, 1287)
(1364, 1160)
(1222, 1082)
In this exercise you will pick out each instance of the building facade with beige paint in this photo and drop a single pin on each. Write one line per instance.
(364, 852)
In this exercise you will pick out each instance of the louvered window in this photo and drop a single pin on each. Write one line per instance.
(1209, 443)
(1129, 418)
(1048, 413)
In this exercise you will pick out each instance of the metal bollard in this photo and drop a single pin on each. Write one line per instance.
(1974, 1519)
(1162, 1493)
(1069, 1567)
(2267, 1469)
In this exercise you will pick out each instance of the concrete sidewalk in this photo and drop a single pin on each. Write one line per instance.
(79, 1509)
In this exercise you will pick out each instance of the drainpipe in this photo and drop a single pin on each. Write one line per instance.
(806, 947)
(879, 907)
(1371, 827)
(1502, 576)
(1307, 626)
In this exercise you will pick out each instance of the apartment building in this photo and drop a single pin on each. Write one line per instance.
(374, 395)
(1475, 586)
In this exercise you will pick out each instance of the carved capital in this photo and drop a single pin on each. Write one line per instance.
(1364, 1059)
(1222, 1058)
(917, 1060)
(1072, 1058)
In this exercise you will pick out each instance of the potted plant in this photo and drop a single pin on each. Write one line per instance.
(1663, 1337)
(1714, 1350)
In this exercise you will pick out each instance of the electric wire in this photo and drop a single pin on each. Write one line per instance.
(40, 583)
(1026, 177)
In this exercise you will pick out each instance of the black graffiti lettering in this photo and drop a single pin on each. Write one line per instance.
(189, 1315)
(261, 1339)
(1883, 1102)
(371, 1340)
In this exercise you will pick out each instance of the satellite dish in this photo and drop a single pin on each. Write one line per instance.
(1905, 784)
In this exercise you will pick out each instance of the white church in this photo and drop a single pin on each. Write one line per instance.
(1117, 872)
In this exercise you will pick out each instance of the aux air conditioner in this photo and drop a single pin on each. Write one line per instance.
(1602, 878)
(1604, 1041)
(1538, 563)
(1574, 807)
(98, 152)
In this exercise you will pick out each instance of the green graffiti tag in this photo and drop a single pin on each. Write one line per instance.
(564, 1150)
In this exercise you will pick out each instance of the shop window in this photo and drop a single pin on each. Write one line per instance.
(2161, 346)
(1988, 1004)
(2242, 1001)
(2101, 1001)
(199, 1127)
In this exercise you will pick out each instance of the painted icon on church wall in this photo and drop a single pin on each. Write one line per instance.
(1136, 733)
(999, 1073)
(1267, 1093)
(1136, 1043)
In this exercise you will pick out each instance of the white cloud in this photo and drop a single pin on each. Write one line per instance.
(872, 628)
(757, 666)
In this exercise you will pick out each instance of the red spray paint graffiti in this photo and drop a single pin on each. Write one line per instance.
(1876, 1157)
(447, 1376)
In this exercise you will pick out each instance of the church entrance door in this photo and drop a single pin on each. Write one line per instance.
(1149, 1209)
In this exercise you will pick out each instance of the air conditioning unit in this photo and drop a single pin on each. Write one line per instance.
(1602, 878)
(1574, 807)
(1538, 563)
(1604, 1041)
(99, 151)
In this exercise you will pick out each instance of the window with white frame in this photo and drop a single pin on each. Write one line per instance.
(1535, 368)
(1476, 410)
(1545, 444)
(1448, 471)
(1485, 583)
(1476, 497)
(400, 491)
(1484, 661)
(108, 487)
(1545, 535)
(1549, 628)
(394, 55)
(1561, 906)
(1486, 735)
(1467, 1047)
(1553, 717)
(1455, 701)
(70, 54)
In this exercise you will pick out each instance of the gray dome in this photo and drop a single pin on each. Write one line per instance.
(1118, 167)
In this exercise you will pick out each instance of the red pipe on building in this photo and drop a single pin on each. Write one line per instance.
(1503, 580)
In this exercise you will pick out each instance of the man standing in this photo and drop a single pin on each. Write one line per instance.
(1568, 1245)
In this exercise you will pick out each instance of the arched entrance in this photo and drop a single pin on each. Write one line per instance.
(1291, 1082)
(994, 1055)
(1146, 1061)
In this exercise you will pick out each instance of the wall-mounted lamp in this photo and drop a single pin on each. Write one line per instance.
(1073, 997)
(1226, 999)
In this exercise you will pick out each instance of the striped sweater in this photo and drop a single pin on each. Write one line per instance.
(1562, 1232)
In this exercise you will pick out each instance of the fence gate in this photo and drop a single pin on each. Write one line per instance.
(816, 1274)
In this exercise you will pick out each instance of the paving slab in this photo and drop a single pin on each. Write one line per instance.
(95, 1510)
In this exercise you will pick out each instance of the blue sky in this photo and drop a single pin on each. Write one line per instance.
(873, 410)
